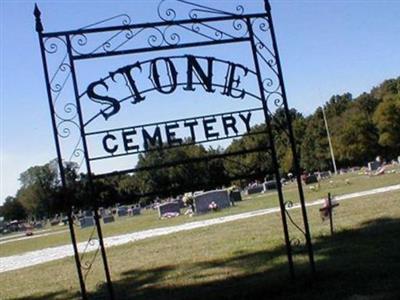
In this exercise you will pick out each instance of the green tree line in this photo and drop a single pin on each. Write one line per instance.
(361, 128)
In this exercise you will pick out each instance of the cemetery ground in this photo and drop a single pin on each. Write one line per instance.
(241, 259)
(337, 185)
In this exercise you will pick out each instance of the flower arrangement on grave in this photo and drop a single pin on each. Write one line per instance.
(169, 215)
(327, 209)
(188, 199)
(213, 206)
(316, 187)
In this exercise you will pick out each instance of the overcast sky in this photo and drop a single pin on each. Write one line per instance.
(326, 47)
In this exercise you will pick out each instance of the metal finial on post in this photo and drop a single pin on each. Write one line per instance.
(267, 5)
(37, 13)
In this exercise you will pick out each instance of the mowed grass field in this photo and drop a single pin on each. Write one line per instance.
(149, 219)
(241, 259)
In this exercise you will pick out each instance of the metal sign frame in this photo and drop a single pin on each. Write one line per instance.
(161, 36)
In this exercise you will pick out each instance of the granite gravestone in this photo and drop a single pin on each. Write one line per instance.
(122, 211)
(86, 222)
(172, 207)
(235, 196)
(269, 185)
(135, 210)
(203, 201)
(374, 165)
(254, 189)
(108, 219)
(310, 179)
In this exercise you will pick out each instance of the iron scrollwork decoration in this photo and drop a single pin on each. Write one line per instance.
(65, 109)
(295, 242)
(173, 33)
(189, 25)
(89, 253)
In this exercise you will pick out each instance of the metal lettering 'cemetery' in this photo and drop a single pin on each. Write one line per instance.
(147, 137)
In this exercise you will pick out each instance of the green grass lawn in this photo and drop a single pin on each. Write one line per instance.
(149, 219)
(241, 260)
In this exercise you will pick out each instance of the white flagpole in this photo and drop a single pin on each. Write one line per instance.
(329, 140)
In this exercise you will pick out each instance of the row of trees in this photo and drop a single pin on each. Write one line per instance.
(361, 129)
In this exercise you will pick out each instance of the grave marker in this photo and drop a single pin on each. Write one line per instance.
(255, 189)
(269, 185)
(86, 222)
(168, 207)
(235, 196)
(108, 218)
(122, 211)
(310, 179)
(203, 201)
(327, 209)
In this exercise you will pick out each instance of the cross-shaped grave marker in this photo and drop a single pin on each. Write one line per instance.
(327, 209)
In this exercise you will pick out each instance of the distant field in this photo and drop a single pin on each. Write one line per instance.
(242, 260)
(149, 219)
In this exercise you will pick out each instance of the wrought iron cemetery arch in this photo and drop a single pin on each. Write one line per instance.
(62, 50)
